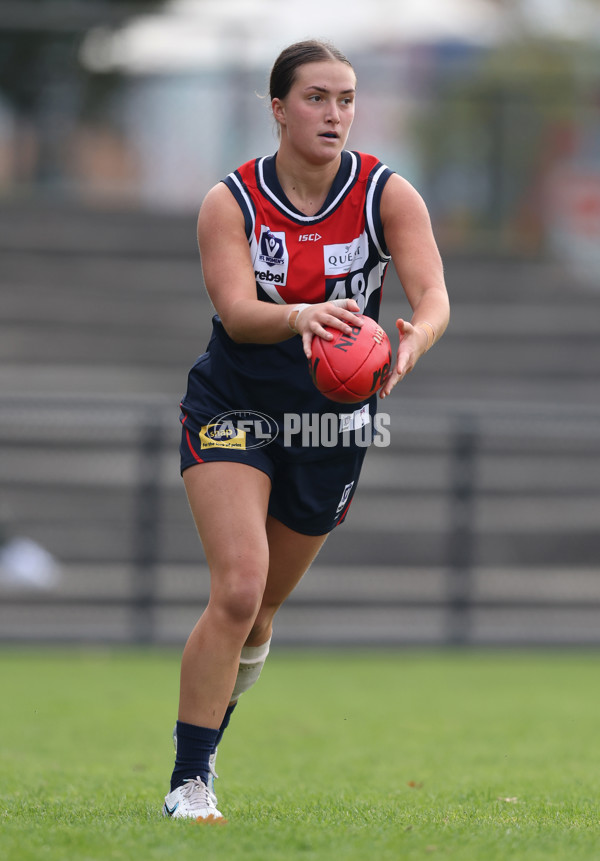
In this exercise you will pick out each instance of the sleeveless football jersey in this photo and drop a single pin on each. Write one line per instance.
(338, 253)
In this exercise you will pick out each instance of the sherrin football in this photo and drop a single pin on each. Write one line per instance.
(351, 368)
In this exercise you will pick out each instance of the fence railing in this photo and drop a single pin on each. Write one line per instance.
(479, 524)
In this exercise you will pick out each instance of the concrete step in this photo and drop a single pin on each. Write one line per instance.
(331, 606)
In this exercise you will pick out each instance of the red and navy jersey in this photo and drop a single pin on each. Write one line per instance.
(338, 253)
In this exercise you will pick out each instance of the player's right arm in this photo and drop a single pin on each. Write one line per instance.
(229, 279)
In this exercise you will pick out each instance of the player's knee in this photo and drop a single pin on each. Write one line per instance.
(252, 660)
(238, 600)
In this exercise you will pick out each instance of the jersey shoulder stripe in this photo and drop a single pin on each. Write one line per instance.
(236, 184)
(377, 179)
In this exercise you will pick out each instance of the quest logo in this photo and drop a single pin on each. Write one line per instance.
(345, 257)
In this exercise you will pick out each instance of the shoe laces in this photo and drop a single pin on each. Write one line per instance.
(197, 794)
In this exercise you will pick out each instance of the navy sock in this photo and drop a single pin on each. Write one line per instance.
(224, 724)
(194, 746)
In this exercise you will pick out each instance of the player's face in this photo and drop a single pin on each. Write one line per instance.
(316, 115)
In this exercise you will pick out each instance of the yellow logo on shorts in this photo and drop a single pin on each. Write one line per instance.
(222, 434)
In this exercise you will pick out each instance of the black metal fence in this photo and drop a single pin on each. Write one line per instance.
(478, 524)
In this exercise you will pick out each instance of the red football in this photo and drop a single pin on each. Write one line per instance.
(351, 368)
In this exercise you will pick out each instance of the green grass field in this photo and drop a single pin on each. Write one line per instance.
(405, 755)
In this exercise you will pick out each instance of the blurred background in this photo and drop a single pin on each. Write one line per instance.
(480, 523)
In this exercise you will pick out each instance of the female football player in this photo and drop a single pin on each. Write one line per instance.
(289, 243)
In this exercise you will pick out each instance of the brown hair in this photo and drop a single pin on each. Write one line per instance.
(291, 58)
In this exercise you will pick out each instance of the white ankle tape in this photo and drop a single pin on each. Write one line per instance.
(252, 661)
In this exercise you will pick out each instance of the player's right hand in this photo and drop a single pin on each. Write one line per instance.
(337, 314)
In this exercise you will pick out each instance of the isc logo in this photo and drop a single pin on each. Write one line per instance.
(309, 237)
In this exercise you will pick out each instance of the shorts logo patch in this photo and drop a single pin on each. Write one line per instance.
(344, 498)
(222, 435)
(240, 429)
(356, 420)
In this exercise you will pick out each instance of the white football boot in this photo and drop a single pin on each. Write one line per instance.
(212, 774)
(192, 800)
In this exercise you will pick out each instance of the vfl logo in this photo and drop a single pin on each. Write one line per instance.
(271, 260)
(272, 247)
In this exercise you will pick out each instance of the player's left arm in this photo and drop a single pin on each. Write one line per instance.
(411, 243)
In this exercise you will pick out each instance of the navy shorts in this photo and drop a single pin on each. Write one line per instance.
(309, 496)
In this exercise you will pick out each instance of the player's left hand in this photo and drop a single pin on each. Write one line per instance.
(413, 343)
